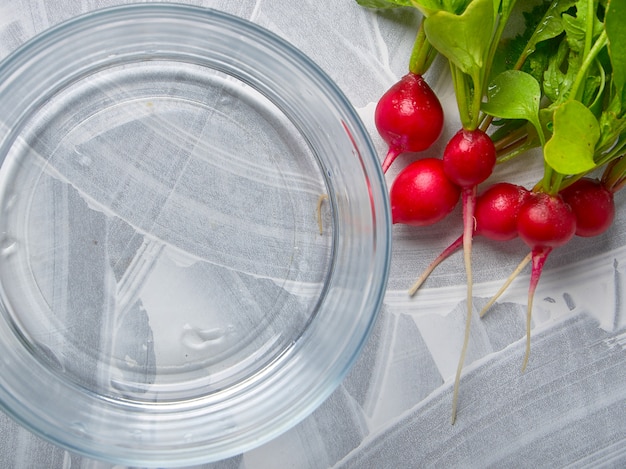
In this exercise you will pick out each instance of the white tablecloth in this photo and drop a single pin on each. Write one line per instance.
(393, 410)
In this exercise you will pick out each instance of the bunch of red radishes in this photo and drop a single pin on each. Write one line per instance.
(576, 114)
(428, 189)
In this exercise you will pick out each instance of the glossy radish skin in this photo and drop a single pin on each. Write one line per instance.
(421, 194)
(409, 117)
(497, 209)
(592, 204)
(546, 221)
(469, 157)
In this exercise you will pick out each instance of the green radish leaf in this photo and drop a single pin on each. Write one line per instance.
(464, 39)
(550, 26)
(522, 50)
(614, 22)
(556, 83)
(572, 146)
(514, 94)
(575, 29)
(379, 4)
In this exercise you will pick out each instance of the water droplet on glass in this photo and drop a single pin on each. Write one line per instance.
(10, 203)
(136, 434)
(78, 427)
(130, 362)
(187, 437)
(8, 246)
(197, 338)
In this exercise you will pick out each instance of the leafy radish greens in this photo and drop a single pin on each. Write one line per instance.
(565, 75)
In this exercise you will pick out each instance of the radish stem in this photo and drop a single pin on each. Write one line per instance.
(506, 284)
(423, 53)
(456, 244)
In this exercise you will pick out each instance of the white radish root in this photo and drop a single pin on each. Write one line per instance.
(456, 244)
(469, 203)
(506, 284)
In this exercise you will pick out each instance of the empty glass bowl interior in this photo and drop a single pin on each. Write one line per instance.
(168, 295)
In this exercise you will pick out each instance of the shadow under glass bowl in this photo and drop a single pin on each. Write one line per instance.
(166, 295)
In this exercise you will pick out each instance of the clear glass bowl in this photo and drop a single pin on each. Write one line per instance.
(167, 297)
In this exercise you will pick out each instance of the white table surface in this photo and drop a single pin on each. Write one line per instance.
(393, 410)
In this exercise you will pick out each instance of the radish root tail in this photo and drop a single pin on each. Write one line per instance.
(528, 322)
(539, 256)
(469, 202)
(456, 244)
(506, 284)
(459, 368)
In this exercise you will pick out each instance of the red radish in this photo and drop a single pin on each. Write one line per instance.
(468, 159)
(421, 194)
(544, 222)
(592, 204)
(529, 226)
(497, 209)
(409, 117)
